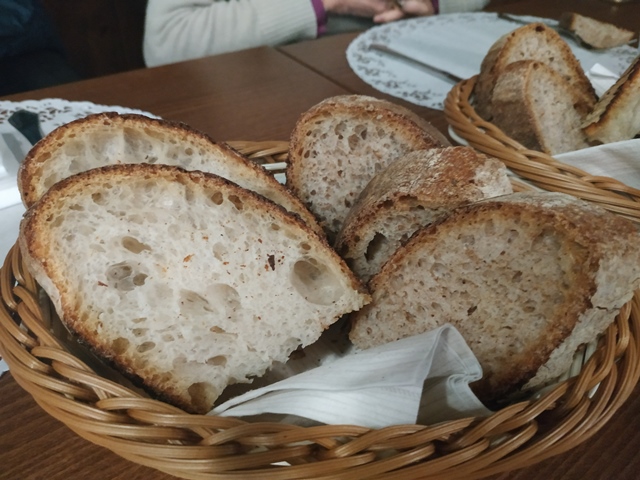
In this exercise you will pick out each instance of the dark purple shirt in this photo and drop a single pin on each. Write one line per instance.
(321, 16)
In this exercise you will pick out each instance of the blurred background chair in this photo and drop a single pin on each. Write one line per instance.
(101, 36)
(51, 42)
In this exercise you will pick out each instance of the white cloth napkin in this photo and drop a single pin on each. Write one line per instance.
(601, 78)
(377, 387)
(9, 225)
(9, 194)
(619, 160)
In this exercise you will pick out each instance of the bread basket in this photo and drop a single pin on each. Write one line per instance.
(157, 435)
(537, 168)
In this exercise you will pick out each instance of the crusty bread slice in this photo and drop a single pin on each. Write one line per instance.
(111, 138)
(411, 193)
(526, 278)
(596, 33)
(341, 143)
(183, 280)
(538, 42)
(535, 106)
(616, 116)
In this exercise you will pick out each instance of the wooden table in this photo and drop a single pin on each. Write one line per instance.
(255, 95)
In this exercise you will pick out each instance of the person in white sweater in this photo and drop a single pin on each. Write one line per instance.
(177, 30)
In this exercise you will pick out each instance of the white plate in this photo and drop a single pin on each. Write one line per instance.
(455, 42)
(53, 113)
(457, 138)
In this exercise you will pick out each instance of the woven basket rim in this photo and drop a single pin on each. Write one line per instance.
(155, 434)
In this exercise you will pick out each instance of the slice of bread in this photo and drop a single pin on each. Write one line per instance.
(535, 106)
(616, 116)
(341, 143)
(538, 42)
(413, 192)
(184, 280)
(111, 138)
(596, 33)
(526, 278)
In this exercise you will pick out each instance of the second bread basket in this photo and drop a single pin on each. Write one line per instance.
(537, 168)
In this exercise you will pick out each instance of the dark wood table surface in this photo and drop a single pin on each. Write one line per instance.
(257, 95)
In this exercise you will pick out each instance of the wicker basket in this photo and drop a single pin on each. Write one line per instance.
(160, 436)
(535, 167)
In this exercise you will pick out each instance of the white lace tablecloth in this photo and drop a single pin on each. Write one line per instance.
(456, 43)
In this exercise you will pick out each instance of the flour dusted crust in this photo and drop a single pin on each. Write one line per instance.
(112, 138)
(411, 193)
(526, 278)
(535, 105)
(616, 116)
(537, 42)
(338, 145)
(184, 280)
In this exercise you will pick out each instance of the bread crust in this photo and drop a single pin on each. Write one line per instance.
(338, 145)
(596, 33)
(616, 116)
(536, 106)
(112, 138)
(72, 283)
(411, 193)
(516, 275)
(537, 42)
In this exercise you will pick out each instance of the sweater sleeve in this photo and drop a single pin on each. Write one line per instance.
(452, 6)
(177, 30)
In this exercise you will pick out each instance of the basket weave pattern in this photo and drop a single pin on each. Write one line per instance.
(163, 437)
(535, 167)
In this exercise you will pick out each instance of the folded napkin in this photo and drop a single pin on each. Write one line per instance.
(3, 367)
(9, 194)
(9, 225)
(617, 160)
(425, 377)
(601, 78)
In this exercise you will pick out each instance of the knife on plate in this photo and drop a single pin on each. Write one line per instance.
(437, 72)
(28, 124)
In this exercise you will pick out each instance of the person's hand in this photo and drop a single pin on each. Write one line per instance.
(381, 11)
(405, 8)
(362, 8)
